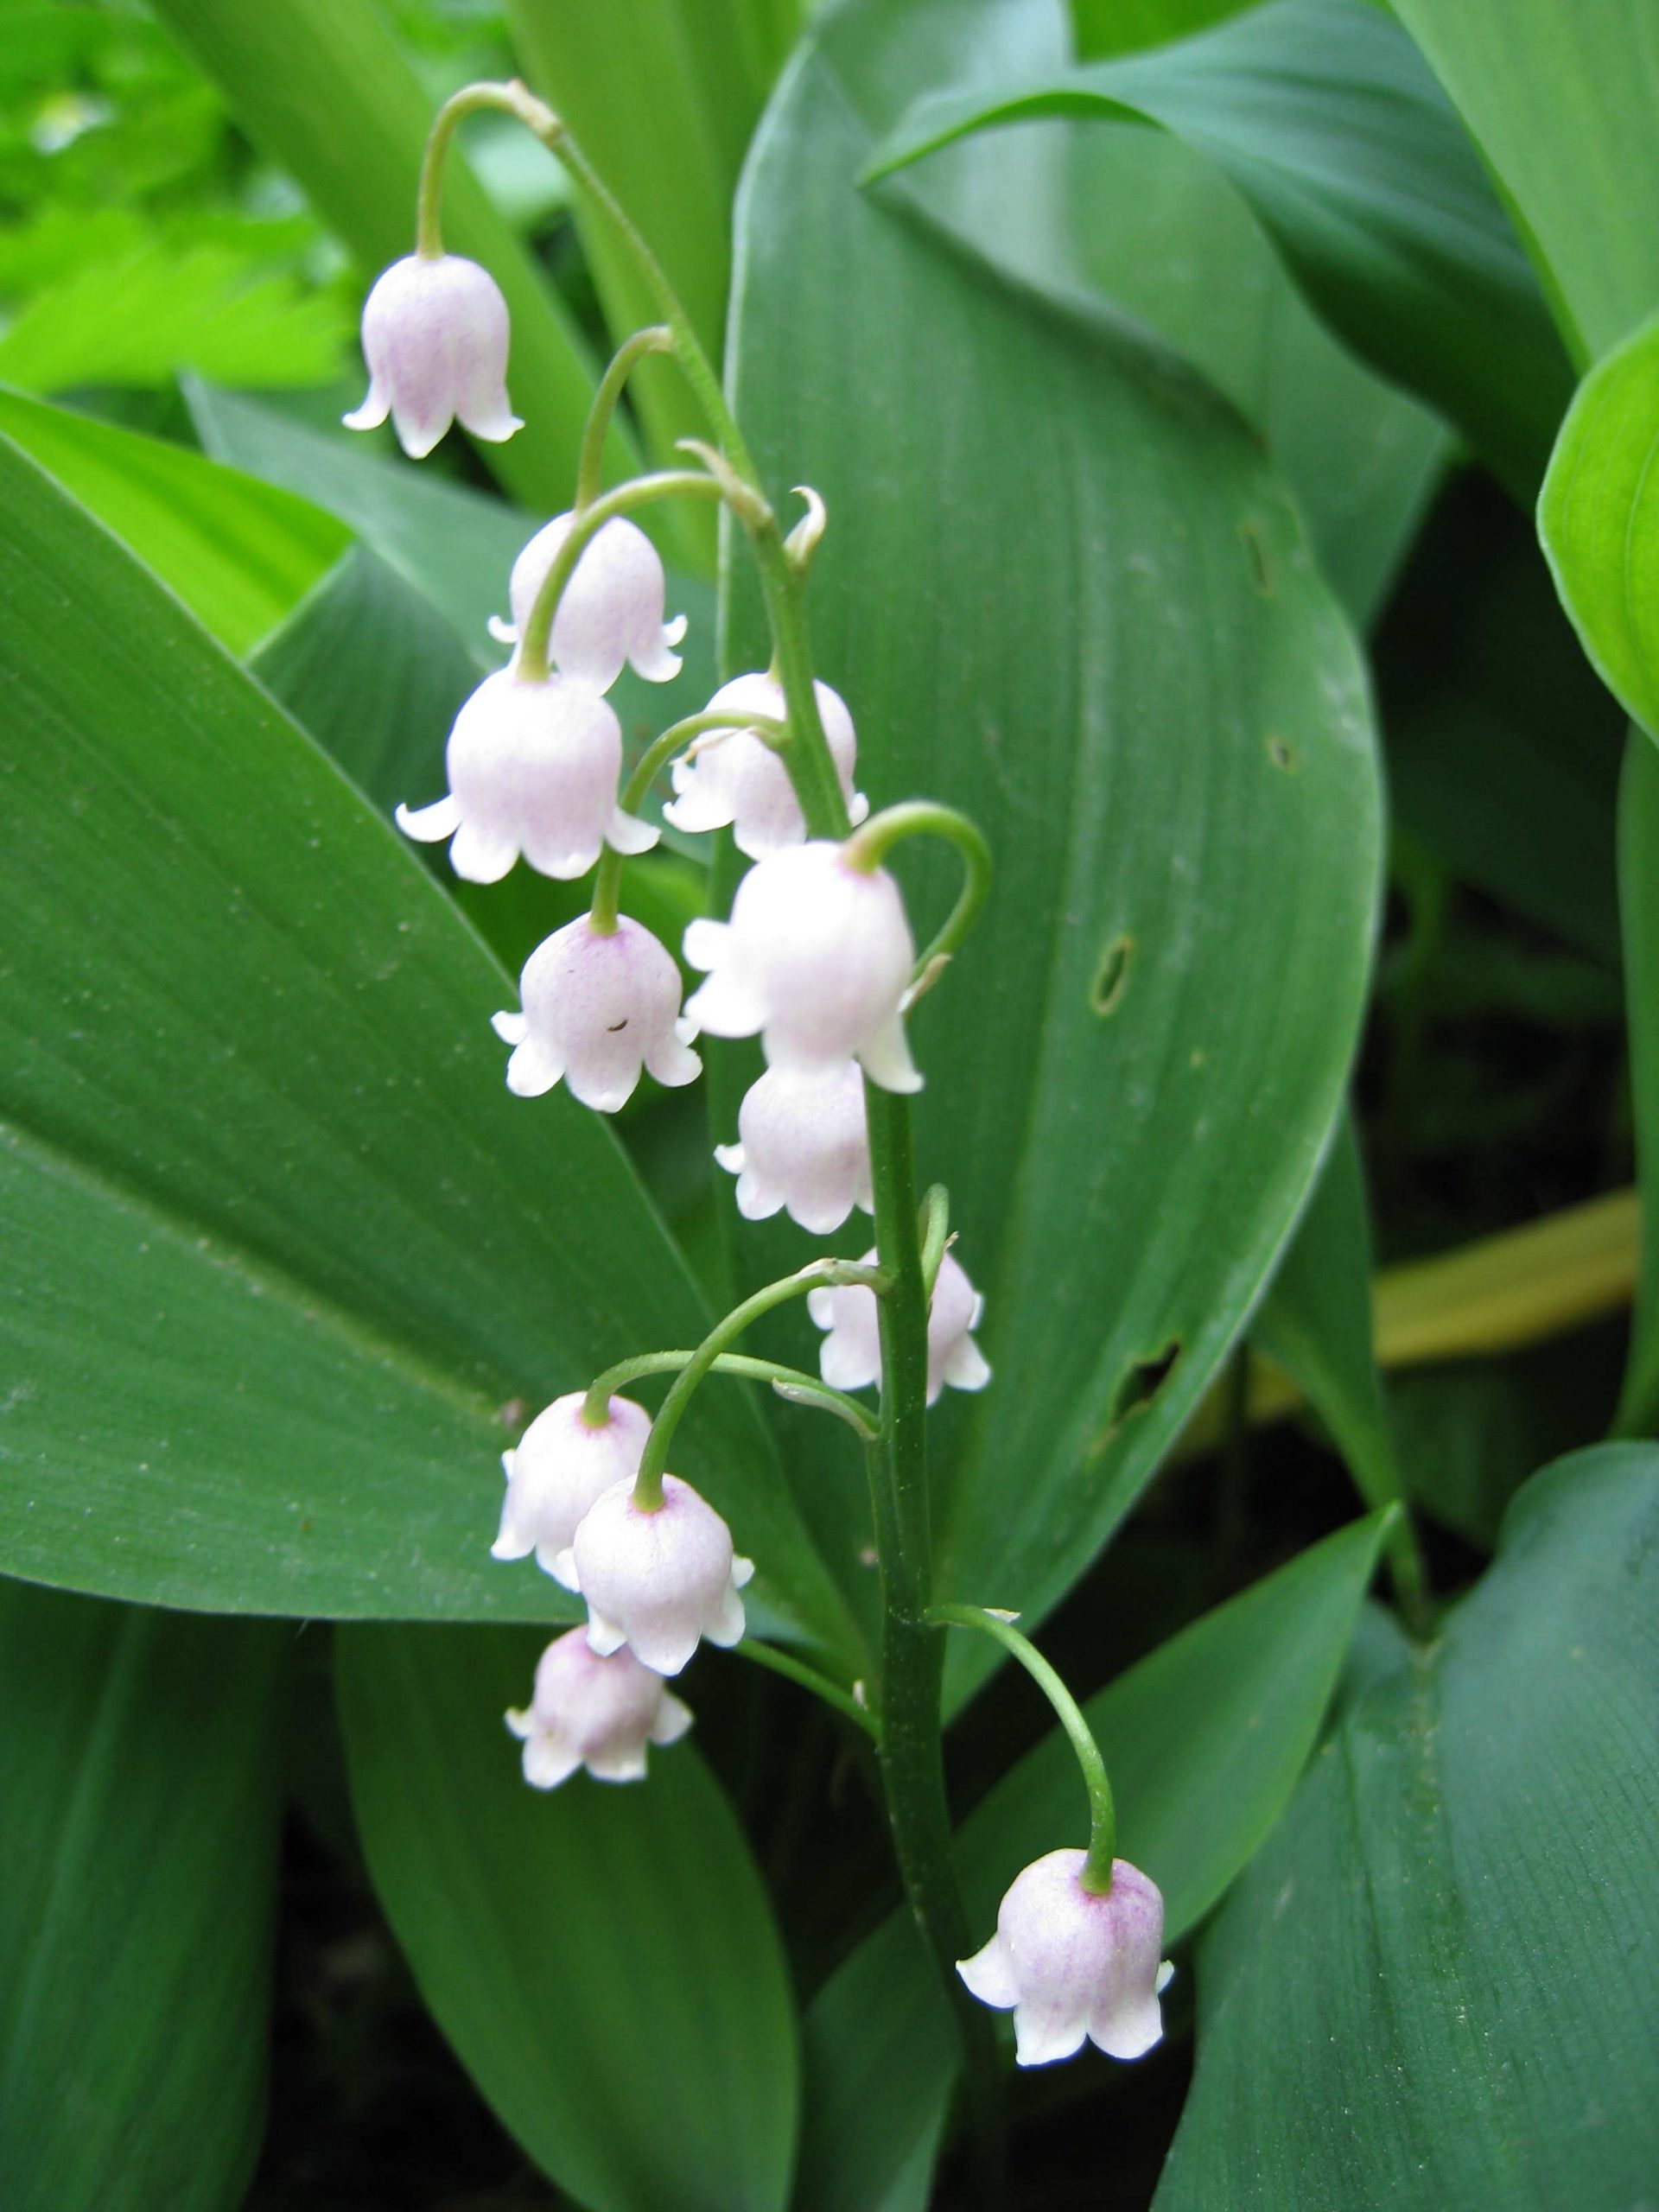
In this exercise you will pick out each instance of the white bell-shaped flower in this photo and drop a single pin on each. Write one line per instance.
(533, 769)
(735, 777)
(594, 1712)
(1072, 1965)
(816, 958)
(560, 1465)
(657, 1582)
(803, 1146)
(598, 1006)
(850, 1355)
(434, 336)
(609, 613)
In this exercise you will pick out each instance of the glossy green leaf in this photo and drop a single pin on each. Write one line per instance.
(135, 319)
(1327, 121)
(1435, 1986)
(1205, 1740)
(1599, 521)
(325, 88)
(1639, 891)
(240, 554)
(138, 1876)
(1119, 657)
(603, 1959)
(1564, 101)
(1315, 1323)
(282, 1247)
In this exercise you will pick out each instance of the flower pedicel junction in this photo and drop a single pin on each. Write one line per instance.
(818, 962)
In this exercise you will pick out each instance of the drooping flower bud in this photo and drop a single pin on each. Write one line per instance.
(609, 613)
(560, 1465)
(533, 769)
(657, 1582)
(1072, 1965)
(803, 1146)
(594, 1712)
(734, 776)
(816, 958)
(434, 336)
(598, 1006)
(850, 1355)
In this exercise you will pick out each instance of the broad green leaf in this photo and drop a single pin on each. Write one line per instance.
(668, 132)
(325, 88)
(139, 1775)
(1564, 102)
(1104, 27)
(1111, 647)
(240, 554)
(1327, 121)
(1315, 1323)
(1638, 891)
(135, 320)
(1599, 522)
(603, 1959)
(283, 1247)
(1203, 1739)
(1435, 1986)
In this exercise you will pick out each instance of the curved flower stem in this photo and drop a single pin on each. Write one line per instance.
(797, 1670)
(608, 883)
(1097, 1875)
(792, 1382)
(869, 846)
(640, 492)
(648, 1481)
(590, 458)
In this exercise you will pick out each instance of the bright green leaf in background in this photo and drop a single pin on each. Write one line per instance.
(284, 1248)
(1326, 119)
(1130, 1085)
(241, 555)
(1437, 1984)
(604, 1960)
(139, 1783)
(326, 89)
(1562, 96)
(1204, 1739)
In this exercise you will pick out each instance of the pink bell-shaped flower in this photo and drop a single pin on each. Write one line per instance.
(598, 1005)
(1072, 1965)
(533, 769)
(816, 958)
(611, 611)
(850, 1355)
(434, 336)
(734, 776)
(560, 1466)
(657, 1582)
(596, 1712)
(803, 1146)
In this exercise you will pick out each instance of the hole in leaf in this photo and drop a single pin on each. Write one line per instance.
(1282, 755)
(1256, 550)
(1112, 976)
(1142, 1382)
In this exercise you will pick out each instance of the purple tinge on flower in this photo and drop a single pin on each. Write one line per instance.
(803, 1146)
(560, 1465)
(816, 958)
(657, 1582)
(1072, 1964)
(598, 1006)
(434, 336)
(735, 777)
(533, 769)
(850, 1355)
(594, 1712)
(611, 612)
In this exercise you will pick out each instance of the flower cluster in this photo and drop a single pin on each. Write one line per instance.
(816, 960)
